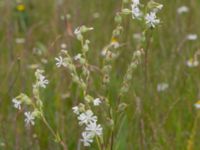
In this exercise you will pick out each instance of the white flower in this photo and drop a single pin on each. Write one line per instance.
(135, 2)
(42, 81)
(60, 62)
(162, 87)
(87, 117)
(197, 104)
(191, 37)
(182, 9)
(77, 31)
(29, 120)
(97, 101)
(94, 129)
(63, 46)
(151, 19)
(17, 104)
(87, 139)
(136, 13)
(77, 57)
(20, 40)
(75, 110)
(192, 63)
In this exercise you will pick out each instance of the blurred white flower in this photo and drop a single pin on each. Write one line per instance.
(94, 129)
(87, 139)
(96, 15)
(197, 104)
(77, 31)
(151, 19)
(97, 101)
(42, 82)
(60, 62)
(192, 37)
(192, 63)
(182, 9)
(75, 110)
(29, 120)
(77, 57)
(44, 61)
(135, 2)
(2, 144)
(20, 40)
(87, 117)
(162, 87)
(136, 13)
(17, 104)
(63, 46)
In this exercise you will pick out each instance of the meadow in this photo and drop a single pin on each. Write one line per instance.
(99, 75)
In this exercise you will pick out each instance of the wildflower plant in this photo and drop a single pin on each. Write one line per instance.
(92, 125)
(33, 106)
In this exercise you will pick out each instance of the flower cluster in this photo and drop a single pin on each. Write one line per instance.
(136, 12)
(89, 120)
(139, 13)
(41, 82)
(84, 113)
(65, 60)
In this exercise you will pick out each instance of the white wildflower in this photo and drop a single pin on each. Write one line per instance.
(29, 120)
(76, 110)
(96, 101)
(182, 9)
(77, 31)
(192, 37)
(77, 57)
(135, 2)
(63, 46)
(197, 104)
(192, 63)
(136, 13)
(20, 40)
(162, 87)
(60, 62)
(87, 117)
(94, 129)
(87, 139)
(42, 82)
(17, 103)
(151, 19)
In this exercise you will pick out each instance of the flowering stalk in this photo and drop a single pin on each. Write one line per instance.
(37, 105)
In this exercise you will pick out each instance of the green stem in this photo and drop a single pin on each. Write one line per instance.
(98, 143)
(190, 144)
(56, 136)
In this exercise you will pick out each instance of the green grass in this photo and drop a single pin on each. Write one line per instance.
(166, 118)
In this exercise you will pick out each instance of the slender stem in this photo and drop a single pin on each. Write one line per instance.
(98, 143)
(190, 144)
(57, 137)
(146, 58)
(112, 139)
